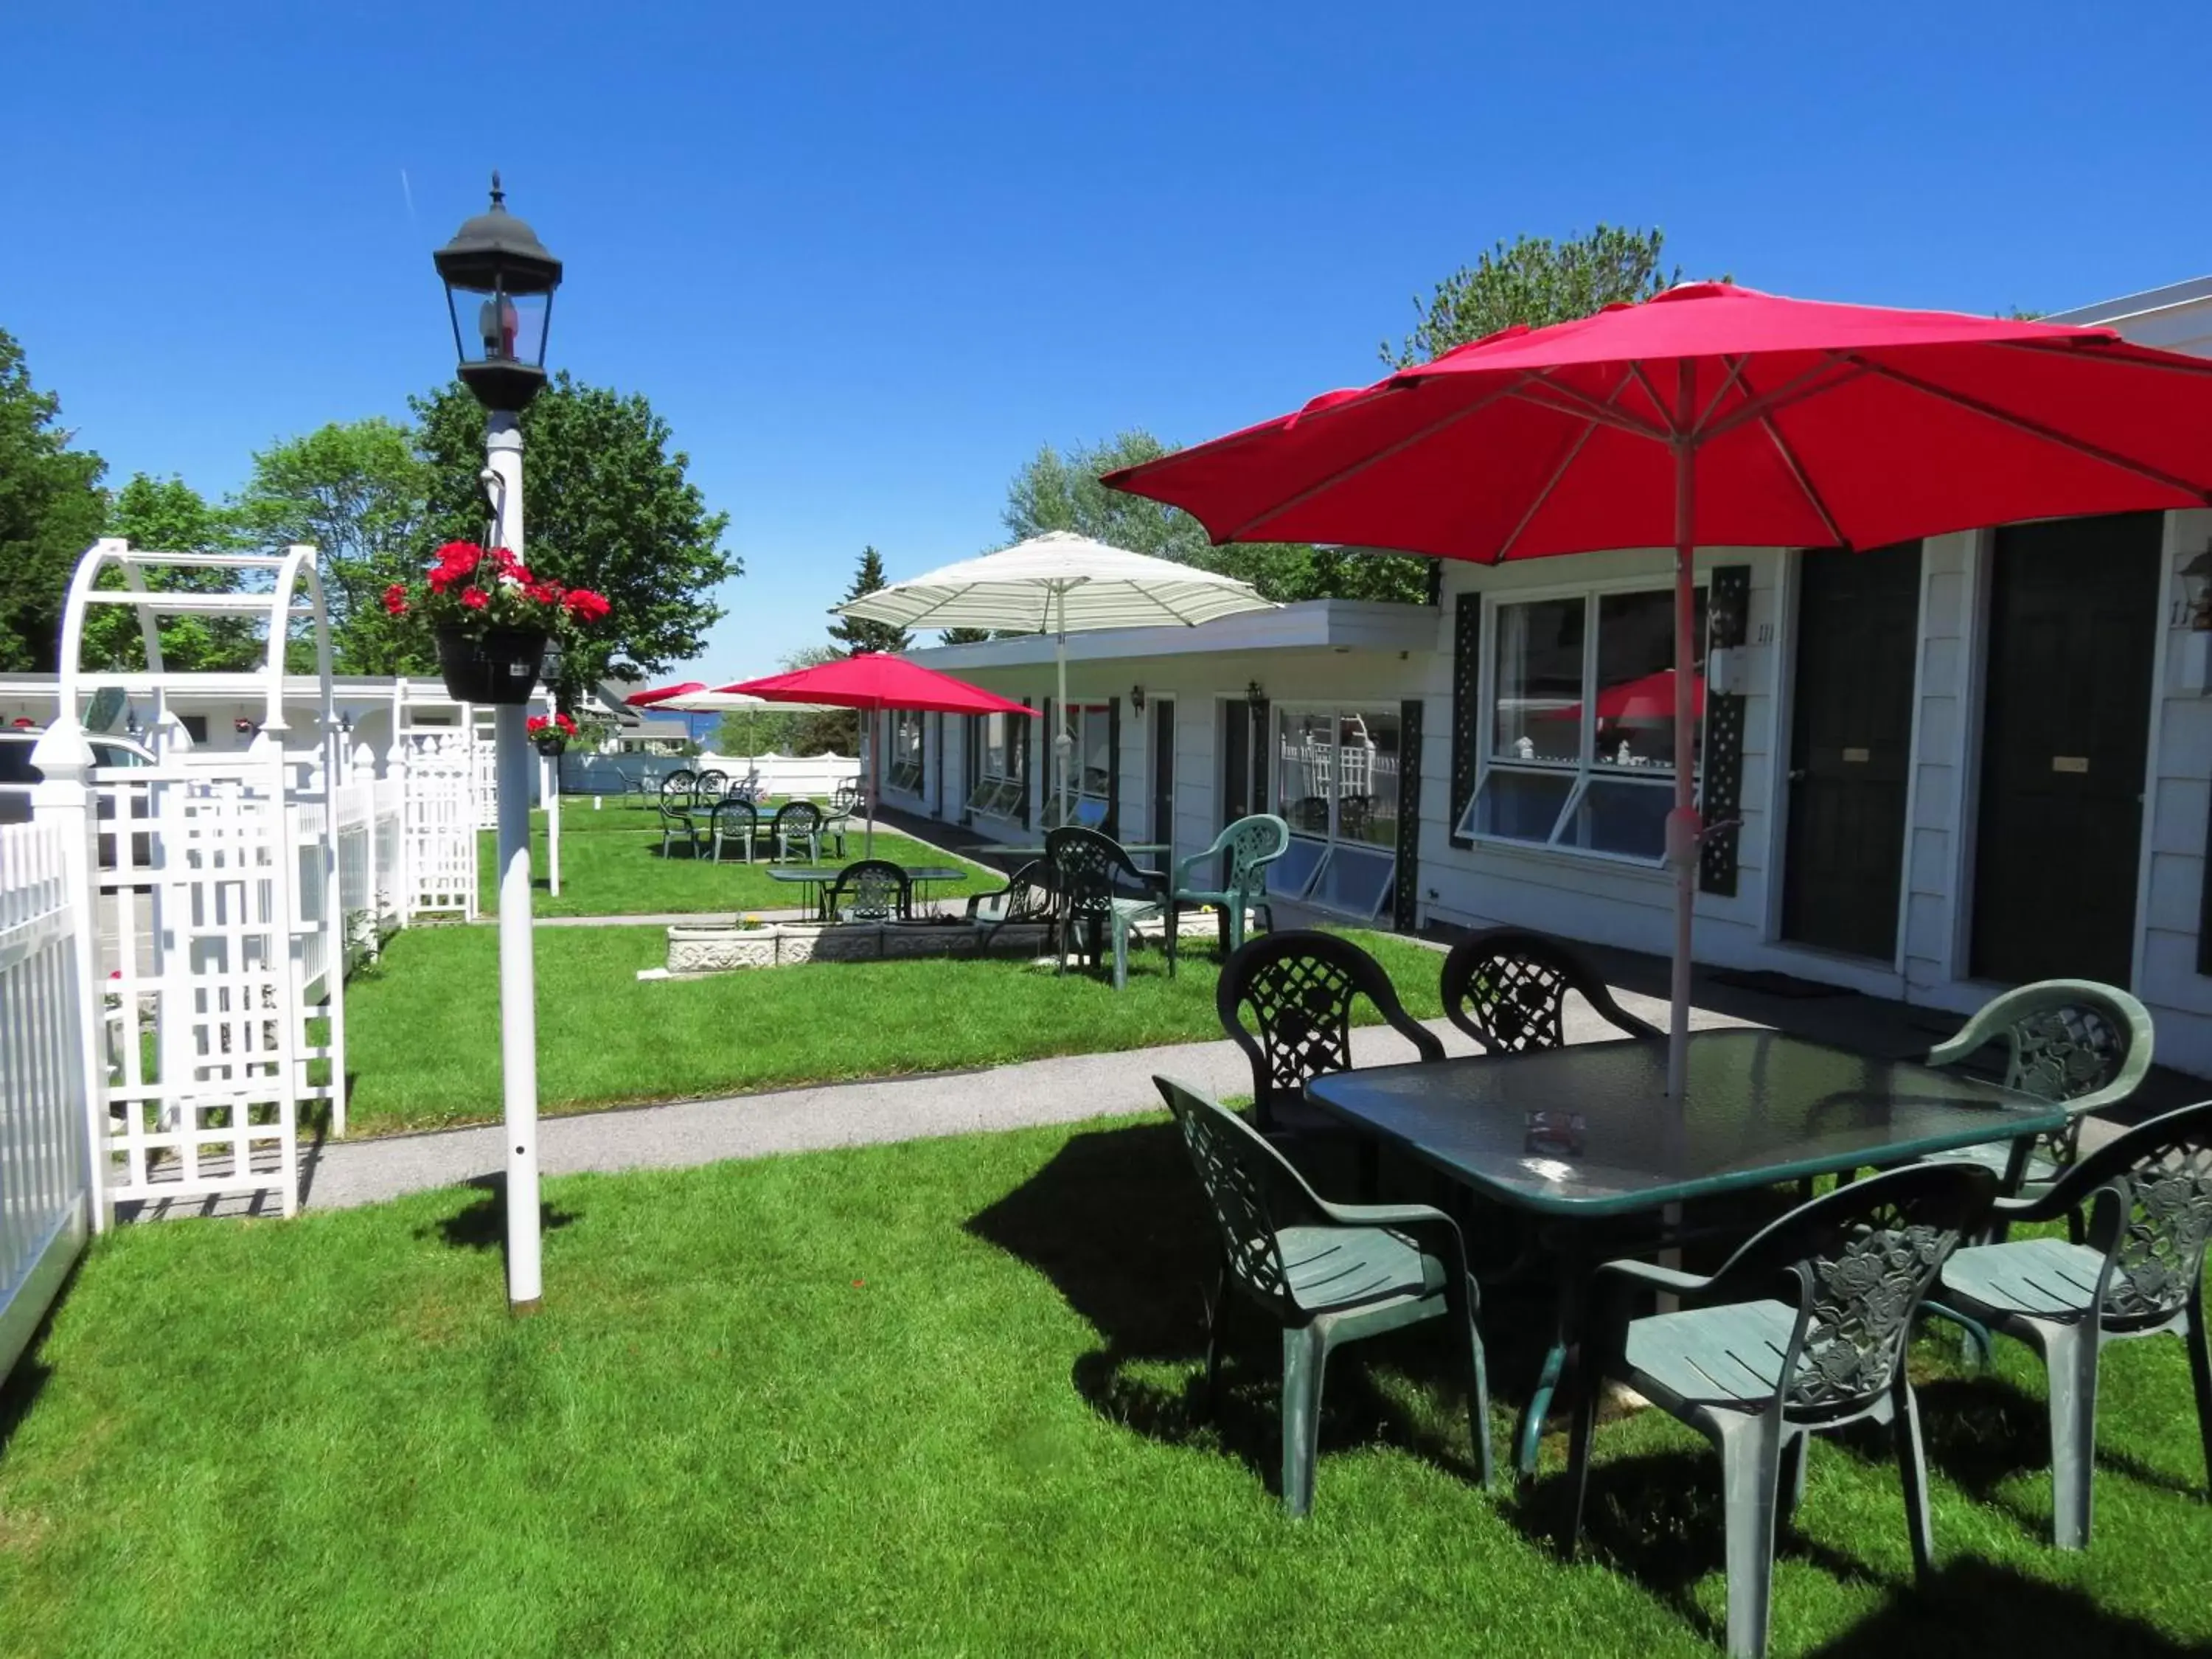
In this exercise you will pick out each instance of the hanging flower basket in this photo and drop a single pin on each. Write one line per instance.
(493, 619)
(495, 665)
(551, 735)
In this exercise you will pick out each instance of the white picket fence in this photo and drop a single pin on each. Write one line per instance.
(48, 1198)
(371, 842)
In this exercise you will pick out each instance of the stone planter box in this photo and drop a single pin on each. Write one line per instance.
(720, 947)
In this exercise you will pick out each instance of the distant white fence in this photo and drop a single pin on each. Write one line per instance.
(47, 1198)
(371, 840)
(780, 774)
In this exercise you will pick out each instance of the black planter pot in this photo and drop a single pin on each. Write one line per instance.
(499, 665)
(550, 743)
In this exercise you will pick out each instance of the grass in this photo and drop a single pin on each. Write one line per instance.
(935, 1398)
(422, 1027)
(611, 866)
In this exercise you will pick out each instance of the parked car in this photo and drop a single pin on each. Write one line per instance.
(18, 774)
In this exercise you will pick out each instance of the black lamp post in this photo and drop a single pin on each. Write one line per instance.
(499, 291)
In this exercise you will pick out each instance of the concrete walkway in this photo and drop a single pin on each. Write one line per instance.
(1065, 1089)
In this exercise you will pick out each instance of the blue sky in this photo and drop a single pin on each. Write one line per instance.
(866, 259)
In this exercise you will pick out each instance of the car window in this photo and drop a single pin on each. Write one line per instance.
(15, 764)
(115, 754)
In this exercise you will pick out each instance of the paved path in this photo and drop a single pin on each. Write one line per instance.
(1065, 1089)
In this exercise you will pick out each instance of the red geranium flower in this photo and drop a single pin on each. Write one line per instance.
(565, 724)
(395, 598)
(474, 598)
(544, 593)
(587, 606)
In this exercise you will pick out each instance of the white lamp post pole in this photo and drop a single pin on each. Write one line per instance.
(518, 970)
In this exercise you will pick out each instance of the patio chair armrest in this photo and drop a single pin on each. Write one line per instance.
(1651, 1276)
(1428, 1226)
(1180, 876)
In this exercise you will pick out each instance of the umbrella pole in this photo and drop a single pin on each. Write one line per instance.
(875, 782)
(1063, 741)
(1682, 827)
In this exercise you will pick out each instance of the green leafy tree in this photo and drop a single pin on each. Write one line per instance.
(964, 635)
(1061, 490)
(811, 732)
(358, 492)
(1538, 281)
(50, 510)
(851, 633)
(168, 515)
(606, 505)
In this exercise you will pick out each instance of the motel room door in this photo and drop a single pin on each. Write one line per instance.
(1851, 748)
(2065, 735)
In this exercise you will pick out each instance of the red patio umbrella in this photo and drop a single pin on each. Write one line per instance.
(1720, 416)
(1646, 700)
(662, 693)
(871, 681)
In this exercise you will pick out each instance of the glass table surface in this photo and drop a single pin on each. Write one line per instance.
(1587, 1129)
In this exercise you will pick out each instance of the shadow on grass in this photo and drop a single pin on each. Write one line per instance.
(1657, 1518)
(1116, 1222)
(482, 1225)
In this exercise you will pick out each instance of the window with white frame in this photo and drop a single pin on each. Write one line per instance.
(1335, 778)
(1578, 750)
(998, 745)
(904, 771)
(1090, 765)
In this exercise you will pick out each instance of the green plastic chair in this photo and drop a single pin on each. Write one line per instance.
(1091, 904)
(1326, 1273)
(2070, 1040)
(735, 821)
(2149, 1194)
(1251, 844)
(1757, 1375)
(677, 825)
(1026, 897)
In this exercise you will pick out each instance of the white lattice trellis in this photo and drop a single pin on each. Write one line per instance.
(441, 821)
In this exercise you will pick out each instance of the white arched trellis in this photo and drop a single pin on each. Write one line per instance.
(216, 911)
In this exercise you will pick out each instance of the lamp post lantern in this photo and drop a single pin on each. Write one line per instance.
(498, 284)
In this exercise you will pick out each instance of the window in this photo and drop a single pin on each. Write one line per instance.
(1090, 765)
(904, 772)
(1580, 749)
(1335, 776)
(998, 747)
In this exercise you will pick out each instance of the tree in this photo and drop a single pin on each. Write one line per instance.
(1536, 282)
(358, 492)
(1057, 491)
(855, 635)
(168, 515)
(606, 505)
(50, 510)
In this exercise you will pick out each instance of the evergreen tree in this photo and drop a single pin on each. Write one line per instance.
(852, 635)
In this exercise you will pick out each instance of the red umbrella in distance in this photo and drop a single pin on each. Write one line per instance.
(1648, 699)
(873, 681)
(1714, 416)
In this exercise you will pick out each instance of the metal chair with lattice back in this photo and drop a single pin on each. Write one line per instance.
(797, 821)
(1802, 1331)
(735, 821)
(1325, 1274)
(1092, 878)
(2070, 1040)
(1247, 847)
(2148, 1195)
(1507, 988)
(679, 786)
(1286, 1000)
(871, 890)
(711, 786)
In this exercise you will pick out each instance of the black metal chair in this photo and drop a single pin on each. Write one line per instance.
(1026, 897)
(735, 821)
(1092, 877)
(1756, 1374)
(1507, 988)
(1287, 1001)
(797, 821)
(873, 889)
(2148, 1194)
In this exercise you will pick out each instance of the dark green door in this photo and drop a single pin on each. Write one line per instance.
(2065, 730)
(1851, 748)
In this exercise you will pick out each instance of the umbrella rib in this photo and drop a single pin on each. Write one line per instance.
(2098, 351)
(1354, 469)
(1734, 378)
(1805, 483)
(2036, 430)
(1574, 449)
(1643, 379)
(1807, 385)
(1575, 403)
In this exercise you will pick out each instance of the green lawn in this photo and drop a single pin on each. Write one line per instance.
(423, 1044)
(935, 1399)
(611, 866)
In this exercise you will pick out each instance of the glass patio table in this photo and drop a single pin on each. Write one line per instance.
(1579, 1134)
(816, 879)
